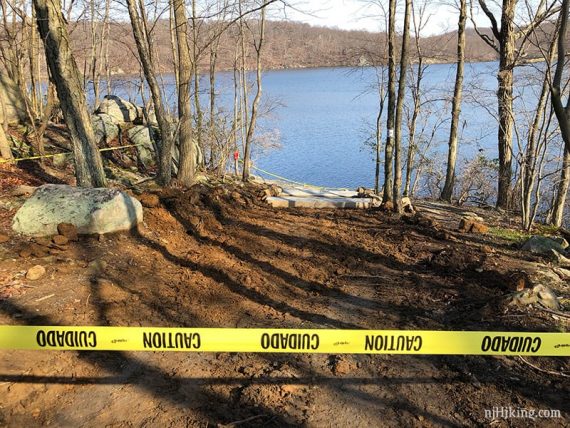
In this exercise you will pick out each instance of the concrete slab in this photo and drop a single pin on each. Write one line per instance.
(318, 193)
(316, 202)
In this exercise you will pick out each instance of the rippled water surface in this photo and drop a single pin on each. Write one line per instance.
(326, 114)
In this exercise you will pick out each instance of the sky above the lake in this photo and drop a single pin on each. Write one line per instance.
(362, 15)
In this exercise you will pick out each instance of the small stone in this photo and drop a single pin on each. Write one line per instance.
(236, 196)
(101, 238)
(340, 365)
(195, 221)
(97, 266)
(38, 250)
(563, 242)
(60, 240)
(546, 297)
(465, 225)
(479, 228)
(44, 242)
(25, 252)
(468, 225)
(520, 281)
(559, 259)
(35, 273)
(68, 230)
(292, 389)
(4, 238)
(22, 190)
(149, 200)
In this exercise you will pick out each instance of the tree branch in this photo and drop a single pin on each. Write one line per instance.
(494, 25)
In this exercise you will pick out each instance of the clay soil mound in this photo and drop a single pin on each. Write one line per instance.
(219, 257)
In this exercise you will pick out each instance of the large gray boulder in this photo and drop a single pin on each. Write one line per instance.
(543, 245)
(92, 211)
(105, 128)
(141, 136)
(121, 110)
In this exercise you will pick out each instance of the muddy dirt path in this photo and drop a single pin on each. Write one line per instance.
(222, 259)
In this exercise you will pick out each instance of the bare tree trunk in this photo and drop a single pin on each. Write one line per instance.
(256, 100)
(187, 167)
(560, 201)
(389, 149)
(64, 71)
(510, 43)
(5, 151)
(505, 102)
(32, 62)
(412, 131)
(404, 60)
(195, 60)
(212, 120)
(173, 44)
(144, 49)
(417, 96)
(562, 112)
(379, 141)
(447, 192)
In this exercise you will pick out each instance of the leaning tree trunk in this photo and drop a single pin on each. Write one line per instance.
(65, 74)
(562, 112)
(389, 149)
(187, 166)
(447, 192)
(145, 55)
(560, 201)
(404, 59)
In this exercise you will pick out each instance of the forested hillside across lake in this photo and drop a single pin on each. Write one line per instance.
(288, 45)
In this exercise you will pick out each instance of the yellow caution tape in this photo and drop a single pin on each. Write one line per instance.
(107, 149)
(325, 341)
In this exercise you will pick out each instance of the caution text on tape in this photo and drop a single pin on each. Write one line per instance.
(327, 341)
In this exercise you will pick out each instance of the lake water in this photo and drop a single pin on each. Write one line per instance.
(326, 114)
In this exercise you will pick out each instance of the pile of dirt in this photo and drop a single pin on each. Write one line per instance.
(217, 256)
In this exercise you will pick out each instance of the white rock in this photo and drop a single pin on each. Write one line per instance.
(119, 109)
(92, 211)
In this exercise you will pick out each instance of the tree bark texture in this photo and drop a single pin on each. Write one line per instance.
(146, 58)
(187, 167)
(447, 191)
(389, 149)
(404, 60)
(65, 74)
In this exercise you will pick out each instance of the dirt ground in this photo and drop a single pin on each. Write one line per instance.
(221, 258)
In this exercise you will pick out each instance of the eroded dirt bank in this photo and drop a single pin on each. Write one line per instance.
(221, 258)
